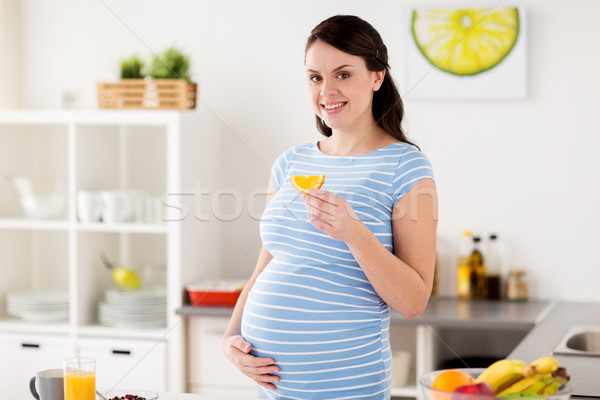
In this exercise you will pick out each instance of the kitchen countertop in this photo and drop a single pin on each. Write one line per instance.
(445, 312)
(452, 312)
(584, 370)
(193, 396)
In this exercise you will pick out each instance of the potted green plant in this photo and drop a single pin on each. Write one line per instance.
(132, 68)
(171, 64)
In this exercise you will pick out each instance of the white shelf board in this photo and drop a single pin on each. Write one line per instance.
(105, 331)
(126, 228)
(89, 117)
(33, 224)
(405, 391)
(64, 225)
(16, 325)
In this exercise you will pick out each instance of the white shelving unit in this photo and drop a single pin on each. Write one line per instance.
(417, 341)
(163, 153)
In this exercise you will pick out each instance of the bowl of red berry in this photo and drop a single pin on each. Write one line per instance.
(125, 394)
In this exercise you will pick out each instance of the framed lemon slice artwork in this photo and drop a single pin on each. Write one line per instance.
(467, 53)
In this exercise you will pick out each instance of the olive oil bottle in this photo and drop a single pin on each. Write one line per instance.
(478, 282)
(463, 268)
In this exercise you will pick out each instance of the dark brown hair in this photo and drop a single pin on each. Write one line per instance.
(355, 36)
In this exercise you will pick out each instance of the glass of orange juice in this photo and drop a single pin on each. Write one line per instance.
(79, 378)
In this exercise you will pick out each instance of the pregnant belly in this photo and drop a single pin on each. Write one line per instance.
(320, 340)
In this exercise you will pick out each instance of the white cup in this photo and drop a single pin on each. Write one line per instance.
(118, 206)
(400, 368)
(138, 204)
(89, 206)
(47, 385)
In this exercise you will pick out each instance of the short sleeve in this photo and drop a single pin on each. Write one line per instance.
(412, 167)
(280, 166)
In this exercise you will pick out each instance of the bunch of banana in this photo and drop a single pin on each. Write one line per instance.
(544, 376)
(503, 373)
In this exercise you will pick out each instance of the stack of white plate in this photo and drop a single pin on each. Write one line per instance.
(131, 310)
(39, 305)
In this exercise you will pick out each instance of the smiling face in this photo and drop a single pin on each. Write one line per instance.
(341, 87)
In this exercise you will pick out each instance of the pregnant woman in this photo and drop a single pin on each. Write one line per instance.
(313, 320)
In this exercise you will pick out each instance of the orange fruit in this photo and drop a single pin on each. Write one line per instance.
(450, 380)
(304, 182)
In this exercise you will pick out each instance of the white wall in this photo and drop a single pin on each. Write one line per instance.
(524, 169)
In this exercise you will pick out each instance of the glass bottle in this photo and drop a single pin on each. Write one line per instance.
(493, 266)
(478, 291)
(463, 269)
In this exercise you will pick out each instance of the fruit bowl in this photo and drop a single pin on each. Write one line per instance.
(426, 380)
(130, 394)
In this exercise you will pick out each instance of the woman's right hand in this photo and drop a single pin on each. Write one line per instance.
(259, 369)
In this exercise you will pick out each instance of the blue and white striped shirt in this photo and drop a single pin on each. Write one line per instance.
(313, 309)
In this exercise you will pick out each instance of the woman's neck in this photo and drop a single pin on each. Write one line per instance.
(352, 143)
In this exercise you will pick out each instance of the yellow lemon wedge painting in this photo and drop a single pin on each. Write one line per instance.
(465, 42)
(305, 182)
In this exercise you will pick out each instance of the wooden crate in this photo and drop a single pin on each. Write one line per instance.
(157, 94)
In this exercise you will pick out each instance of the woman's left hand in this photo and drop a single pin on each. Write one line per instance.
(331, 214)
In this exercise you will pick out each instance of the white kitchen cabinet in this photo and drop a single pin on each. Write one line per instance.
(209, 371)
(24, 355)
(127, 363)
(171, 156)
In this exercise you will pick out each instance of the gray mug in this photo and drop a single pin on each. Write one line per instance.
(49, 385)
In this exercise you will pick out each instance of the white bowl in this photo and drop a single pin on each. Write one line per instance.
(41, 198)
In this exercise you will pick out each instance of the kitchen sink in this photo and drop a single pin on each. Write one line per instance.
(580, 340)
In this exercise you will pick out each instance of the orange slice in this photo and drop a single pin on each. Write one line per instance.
(304, 182)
